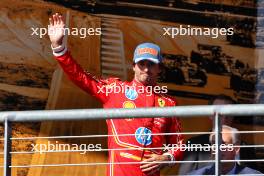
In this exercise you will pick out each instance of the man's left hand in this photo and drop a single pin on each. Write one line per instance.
(154, 166)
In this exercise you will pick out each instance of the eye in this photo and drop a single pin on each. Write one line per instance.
(141, 63)
(151, 64)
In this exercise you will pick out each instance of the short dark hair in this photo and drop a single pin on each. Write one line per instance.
(222, 97)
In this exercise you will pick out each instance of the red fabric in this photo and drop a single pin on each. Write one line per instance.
(97, 88)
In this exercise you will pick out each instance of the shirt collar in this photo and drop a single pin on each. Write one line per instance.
(137, 83)
(232, 171)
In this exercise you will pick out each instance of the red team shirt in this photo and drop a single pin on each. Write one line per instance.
(128, 95)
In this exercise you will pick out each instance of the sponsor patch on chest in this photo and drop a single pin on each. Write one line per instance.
(143, 136)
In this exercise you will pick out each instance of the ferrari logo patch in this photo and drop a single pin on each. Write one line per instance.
(161, 102)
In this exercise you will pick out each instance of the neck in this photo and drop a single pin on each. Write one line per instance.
(146, 83)
(227, 167)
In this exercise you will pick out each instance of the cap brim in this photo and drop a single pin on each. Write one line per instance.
(147, 58)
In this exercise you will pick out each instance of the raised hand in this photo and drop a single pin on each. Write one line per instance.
(56, 29)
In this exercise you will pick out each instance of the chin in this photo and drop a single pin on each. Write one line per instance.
(143, 80)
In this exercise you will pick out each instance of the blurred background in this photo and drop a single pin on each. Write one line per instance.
(197, 67)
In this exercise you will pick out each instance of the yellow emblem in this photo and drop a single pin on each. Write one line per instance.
(161, 102)
(129, 104)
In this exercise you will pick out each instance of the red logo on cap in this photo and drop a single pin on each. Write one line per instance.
(152, 51)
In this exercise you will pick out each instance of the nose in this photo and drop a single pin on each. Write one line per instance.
(146, 68)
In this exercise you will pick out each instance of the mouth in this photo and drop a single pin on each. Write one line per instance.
(146, 77)
(145, 74)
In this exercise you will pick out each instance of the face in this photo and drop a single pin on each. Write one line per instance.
(224, 120)
(230, 152)
(146, 72)
(227, 139)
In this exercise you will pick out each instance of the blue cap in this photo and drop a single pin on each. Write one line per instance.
(147, 51)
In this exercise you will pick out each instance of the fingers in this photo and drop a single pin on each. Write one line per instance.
(61, 19)
(56, 19)
(147, 165)
(148, 155)
(53, 20)
(150, 167)
(149, 160)
(50, 22)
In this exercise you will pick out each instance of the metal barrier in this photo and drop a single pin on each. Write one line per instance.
(94, 114)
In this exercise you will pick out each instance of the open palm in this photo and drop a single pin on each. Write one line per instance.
(56, 30)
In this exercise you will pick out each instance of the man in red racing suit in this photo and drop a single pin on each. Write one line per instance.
(129, 135)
